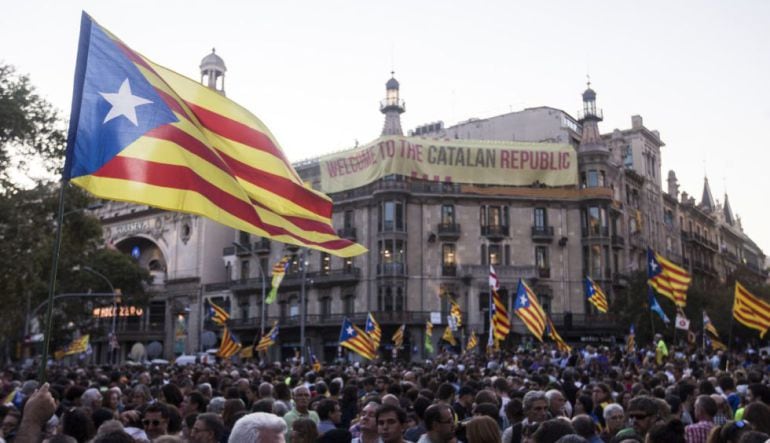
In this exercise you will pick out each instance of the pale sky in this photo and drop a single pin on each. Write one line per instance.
(315, 71)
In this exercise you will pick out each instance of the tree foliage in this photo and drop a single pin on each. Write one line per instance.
(30, 128)
(709, 294)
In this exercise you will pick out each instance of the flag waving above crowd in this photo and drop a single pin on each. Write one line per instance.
(142, 133)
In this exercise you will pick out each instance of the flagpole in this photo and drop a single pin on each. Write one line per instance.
(730, 337)
(652, 319)
(302, 306)
(52, 284)
(703, 338)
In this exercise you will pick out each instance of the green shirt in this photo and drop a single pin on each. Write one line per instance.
(293, 416)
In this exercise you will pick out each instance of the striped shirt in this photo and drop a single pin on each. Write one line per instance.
(698, 432)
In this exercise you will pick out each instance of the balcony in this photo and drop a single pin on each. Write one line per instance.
(494, 232)
(618, 241)
(228, 251)
(449, 231)
(511, 274)
(335, 320)
(448, 270)
(243, 250)
(391, 269)
(541, 233)
(596, 231)
(262, 246)
(347, 233)
(334, 277)
(620, 280)
(544, 272)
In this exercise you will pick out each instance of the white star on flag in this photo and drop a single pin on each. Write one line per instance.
(350, 331)
(653, 265)
(523, 300)
(123, 103)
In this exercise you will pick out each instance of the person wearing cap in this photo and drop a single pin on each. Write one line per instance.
(642, 414)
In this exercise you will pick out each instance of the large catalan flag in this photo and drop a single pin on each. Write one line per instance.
(358, 341)
(529, 311)
(595, 295)
(142, 133)
(268, 339)
(668, 279)
(373, 329)
(229, 345)
(398, 337)
(750, 311)
(279, 271)
(217, 314)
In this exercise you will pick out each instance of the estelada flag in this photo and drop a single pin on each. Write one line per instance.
(142, 133)
(751, 311)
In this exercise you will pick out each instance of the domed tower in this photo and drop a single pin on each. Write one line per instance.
(392, 107)
(212, 70)
(589, 118)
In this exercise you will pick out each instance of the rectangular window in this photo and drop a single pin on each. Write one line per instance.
(391, 216)
(348, 220)
(540, 218)
(495, 254)
(447, 214)
(348, 304)
(326, 263)
(628, 157)
(541, 257)
(448, 254)
(593, 178)
(244, 269)
(244, 238)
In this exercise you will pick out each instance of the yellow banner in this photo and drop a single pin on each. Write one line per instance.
(77, 346)
(450, 161)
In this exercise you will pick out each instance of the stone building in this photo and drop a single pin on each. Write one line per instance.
(433, 240)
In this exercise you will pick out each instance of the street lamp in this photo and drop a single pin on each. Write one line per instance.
(115, 294)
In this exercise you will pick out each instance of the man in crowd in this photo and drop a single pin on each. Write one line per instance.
(705, 410)
(535, 411)
(301, 402)
(208, 428)
(440, 423)
(368, 424)
(391, 423)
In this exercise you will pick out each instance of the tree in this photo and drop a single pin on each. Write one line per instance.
(30, 128)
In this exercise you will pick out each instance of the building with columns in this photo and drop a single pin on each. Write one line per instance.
(431, 241)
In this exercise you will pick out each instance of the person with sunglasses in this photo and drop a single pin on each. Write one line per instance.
(643, 413)
(155, 420)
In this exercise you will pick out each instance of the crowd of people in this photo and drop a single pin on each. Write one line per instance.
(588, 395)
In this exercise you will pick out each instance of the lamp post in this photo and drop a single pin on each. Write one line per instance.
(115, 294)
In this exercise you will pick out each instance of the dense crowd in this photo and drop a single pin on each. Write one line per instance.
(541, 395)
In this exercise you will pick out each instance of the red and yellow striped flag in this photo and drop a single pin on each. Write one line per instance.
(750, 311)
(142, 133)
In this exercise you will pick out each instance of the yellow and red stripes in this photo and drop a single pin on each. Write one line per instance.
(750, 311)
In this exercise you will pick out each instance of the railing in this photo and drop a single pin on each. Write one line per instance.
(291, 279)
(228, 250)
(391, 269)
(596, 231)
(494, 231)
(262, 246)
(544, 272)
(618, 241)
(480, 273)
(348, 233)
(449, 270)
(383, 317)
(449, 229)
(540, 232)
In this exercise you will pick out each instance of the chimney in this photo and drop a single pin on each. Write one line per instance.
(636, 122)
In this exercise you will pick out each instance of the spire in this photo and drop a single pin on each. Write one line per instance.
(212, 69)
(589, 117)
(392, 107)
(707, 200)
(728, 212)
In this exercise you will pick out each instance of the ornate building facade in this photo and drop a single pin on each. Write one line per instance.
(430, 241)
